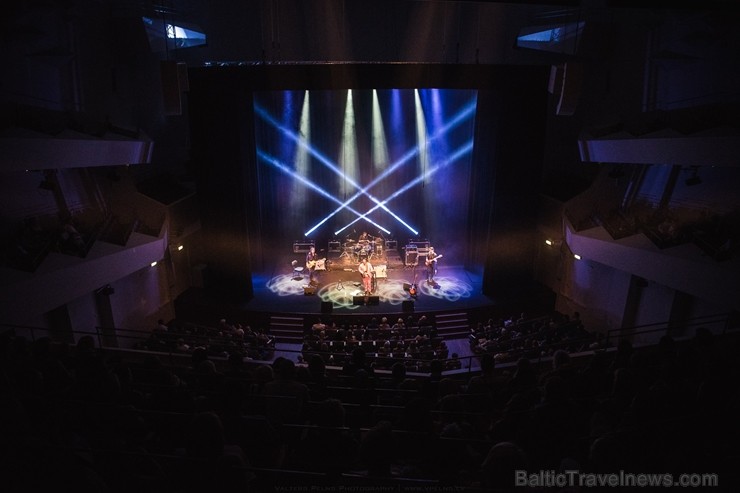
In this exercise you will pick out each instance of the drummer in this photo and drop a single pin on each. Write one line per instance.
(364, 248)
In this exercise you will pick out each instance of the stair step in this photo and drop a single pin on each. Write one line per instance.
(284, 321)
(275, 331)
(448, 330)
(289, 339)
(461, 323)
(291, 326)
(445, 315)
(287, 329)
(453, 335)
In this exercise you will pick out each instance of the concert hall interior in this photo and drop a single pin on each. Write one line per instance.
(530, 183)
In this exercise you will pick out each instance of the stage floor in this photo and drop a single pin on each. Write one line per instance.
(286, 291)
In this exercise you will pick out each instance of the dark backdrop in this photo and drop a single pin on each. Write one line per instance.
(501, 188)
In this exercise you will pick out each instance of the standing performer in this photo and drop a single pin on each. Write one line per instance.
(366, 271)
(312, 258)
(431, 264)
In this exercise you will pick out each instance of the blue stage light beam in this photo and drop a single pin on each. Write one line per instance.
(302, 160)
(458, 119)
(285, 169)
(451, 159)
(326, 162)
(379, 144)
(348, 155)
(421, 132)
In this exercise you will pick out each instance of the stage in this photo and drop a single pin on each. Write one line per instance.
(280, 289)
(398, 287)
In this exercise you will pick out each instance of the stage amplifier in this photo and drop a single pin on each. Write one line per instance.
(422, 246)
(418, 243)
(412, 255)
(302, 246)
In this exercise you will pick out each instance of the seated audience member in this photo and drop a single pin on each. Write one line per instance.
(224, 465)
(181, 346)
(453, 363)
(561, 367)
(329, 446)
(376, 450)
(500, 466)
(317, 378)
(357, 362)
(286, 385)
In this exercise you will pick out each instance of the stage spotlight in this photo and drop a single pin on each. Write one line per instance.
(576, 256)
(153, 264)
(548, 242)
(180, 247)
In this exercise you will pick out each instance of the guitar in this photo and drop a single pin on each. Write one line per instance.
(428, 262)
(412, 289)
(312, 263)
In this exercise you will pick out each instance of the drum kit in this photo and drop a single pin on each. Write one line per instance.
(358, 250)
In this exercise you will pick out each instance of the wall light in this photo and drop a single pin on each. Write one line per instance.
(548, 242)
(153, 264)
(576, 256)
(180, 247)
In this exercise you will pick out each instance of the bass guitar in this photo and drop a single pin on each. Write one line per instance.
(428, 262)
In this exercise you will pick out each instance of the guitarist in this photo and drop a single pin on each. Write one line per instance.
(431, 264)
(312, 258)
(367, 273)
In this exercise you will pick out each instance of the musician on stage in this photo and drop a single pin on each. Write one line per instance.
(431, 264)
(312, 259)
(366, 271)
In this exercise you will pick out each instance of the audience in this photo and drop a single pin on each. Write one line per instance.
(203, 423)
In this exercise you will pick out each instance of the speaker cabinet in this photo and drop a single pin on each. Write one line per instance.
(412, 257)
(407, 306)
(326, 306)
